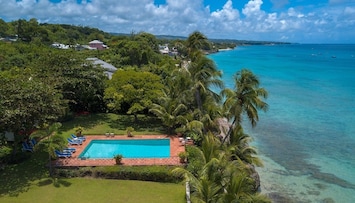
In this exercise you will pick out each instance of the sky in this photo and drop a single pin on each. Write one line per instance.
(299, 21)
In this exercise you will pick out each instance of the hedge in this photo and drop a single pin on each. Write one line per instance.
(144, 173)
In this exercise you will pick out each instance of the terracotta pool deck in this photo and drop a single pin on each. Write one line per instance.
(175, 148)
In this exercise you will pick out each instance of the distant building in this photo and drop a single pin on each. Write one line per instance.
(9, 38)
(164, 49)
(59, 46)
(87, 47)
(97, 44)
(9, 136)
(109, 68)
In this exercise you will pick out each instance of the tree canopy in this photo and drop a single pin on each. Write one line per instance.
(26, 102)
(133, 92)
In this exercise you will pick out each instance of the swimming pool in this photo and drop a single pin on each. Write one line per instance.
(143, 148)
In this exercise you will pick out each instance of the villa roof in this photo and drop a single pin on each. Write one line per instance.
(95, 42)
(110, 69)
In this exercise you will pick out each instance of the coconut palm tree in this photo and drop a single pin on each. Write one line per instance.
(194, 43)
(212, 111)
(239, 189)
(178, 85)
(246, 98)
(50, 140)
(219, 179)
(191, 86)
(204, 75)
(239, 143)
(170, 112)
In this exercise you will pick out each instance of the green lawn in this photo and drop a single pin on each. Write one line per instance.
(99, 124)
(98, 190)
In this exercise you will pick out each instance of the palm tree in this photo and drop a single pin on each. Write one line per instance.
(239, 189)
(178, 85)
(170, 112)
(219, 179)
(246, 98)
(239, 143)
(194, 43)
(50, 141)
(190, 87)
(212, 111)
(204, 74)
(173, 107)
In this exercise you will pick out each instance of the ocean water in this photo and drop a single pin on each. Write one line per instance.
(307, 138)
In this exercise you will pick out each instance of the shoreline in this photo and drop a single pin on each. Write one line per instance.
(226, 49)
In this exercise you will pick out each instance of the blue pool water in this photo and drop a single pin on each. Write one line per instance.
(147, 148)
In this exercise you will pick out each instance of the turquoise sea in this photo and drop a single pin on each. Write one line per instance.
(307, 138)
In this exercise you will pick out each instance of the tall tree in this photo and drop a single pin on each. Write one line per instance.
(194, 43)
(137, 50)
(219, 179)
(204, 75)
(81, 83)
(239, 141)
(3, 28)
(27, 102)
(50, 141)
(246, 98)
(170, 112)
(133, 92)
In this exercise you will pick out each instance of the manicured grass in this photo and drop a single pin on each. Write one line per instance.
(29, 182)
(99, 190)
(99, 124)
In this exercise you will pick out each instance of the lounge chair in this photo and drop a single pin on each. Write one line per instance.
(33, 142)
(76, 137)
(112, 134)
(62, 154)
(75, 142)
(26, 147)
(69, 150)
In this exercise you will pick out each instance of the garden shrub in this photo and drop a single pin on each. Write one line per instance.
(5, 153)
(19, 157)
(195, 159)
(144, 173)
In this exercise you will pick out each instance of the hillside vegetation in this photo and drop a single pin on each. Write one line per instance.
(180, 88)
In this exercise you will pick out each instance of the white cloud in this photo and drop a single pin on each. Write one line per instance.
(349, 11)
(185, 16)
(252, 8)
(227, 13)
(293, 13)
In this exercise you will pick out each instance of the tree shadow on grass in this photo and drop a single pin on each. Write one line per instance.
(85, 121)
(60, 182)
(55, 181)
(143, 123)
(44, 182)
(18, 178)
